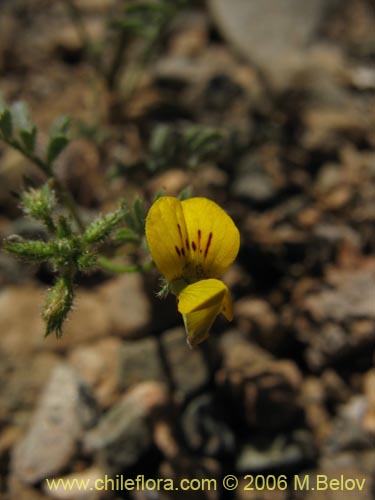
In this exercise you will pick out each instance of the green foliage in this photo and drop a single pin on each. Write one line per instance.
(188, 146)
(58, 305)
(6, 126)
(73, 246)
(185, 193)
(40, 204)
(135, 216)
(29, 250)
(18, 130)
(126, 236)
(101, 227)
(145, 18)
(58, 138)
(69, 251)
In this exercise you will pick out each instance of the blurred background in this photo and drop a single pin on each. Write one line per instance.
(266, 107)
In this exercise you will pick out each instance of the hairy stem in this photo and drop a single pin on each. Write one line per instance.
(64, 195)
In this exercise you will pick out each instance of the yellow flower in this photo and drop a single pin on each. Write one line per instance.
(193, 242)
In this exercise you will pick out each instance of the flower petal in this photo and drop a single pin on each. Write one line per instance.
(167, 237)
(199, 304)
(214, 238)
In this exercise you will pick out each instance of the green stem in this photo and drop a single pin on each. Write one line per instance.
(68, 200)
(111, 266)
(35, 159)
(64, 195)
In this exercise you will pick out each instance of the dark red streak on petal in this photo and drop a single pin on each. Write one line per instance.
(208, 245)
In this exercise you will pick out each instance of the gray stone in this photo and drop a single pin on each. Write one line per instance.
(254, 186)
(167, 359)
(274, 34)
(188, 367)
(205, 429)
(25, 378)
(125, 432)
(253, 183)
(264, 452)
(348, 431)
(64, 411)
(98, 364)
(263, 391)
(351, 296)
(125, 301)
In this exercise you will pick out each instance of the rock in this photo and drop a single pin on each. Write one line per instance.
(351, 295)
(239, 355)
(165, 440)
(26, 377)
(14, 341)
(283, 452)
(263, 391)
(126, 304)
(275, 35)
(124, 433)
(188, 368)
(17, 490)
(64, 410)
(11, 270)
(171, 182)
(333, 343)
(184, 370)
(139, 362)
(119, 306)
(257, 319)
(348, 431)
(253, 183)
(313, 399)
(98, 365)
(8, 437)
(85, 183)
(205, 429)
(207, 178)
(88, 321)
(342, 312)
(255, 187)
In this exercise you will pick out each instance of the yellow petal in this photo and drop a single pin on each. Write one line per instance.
(199, 304)
(214, 238)
(167, 237)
